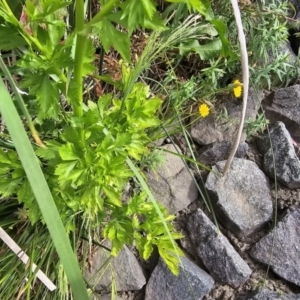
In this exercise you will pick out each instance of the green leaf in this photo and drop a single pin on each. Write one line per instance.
(148, 248)
(136, 14)
(63, 170)
(48, 97)
(110, 36)
(49, 7)
(206, 51)
(221, 28)
(149, 7)
(113, 196)
(3, 157)
(9, 186)
(50, 152)
(88, 59)
(68, 152)
(10, 38)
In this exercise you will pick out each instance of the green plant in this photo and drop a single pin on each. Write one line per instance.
(89, 151)
(253, 127)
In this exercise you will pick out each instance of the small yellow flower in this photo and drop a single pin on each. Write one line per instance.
(203, 110)
(237, 89)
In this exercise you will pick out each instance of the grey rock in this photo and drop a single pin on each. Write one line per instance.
(283, 153)
(124, 268)
(284, 105)
(191, 283)
(210, 130)
(171, 184)
(264, 294)
(217, 254)
(242, 198)
(284, 245)
(218, 151)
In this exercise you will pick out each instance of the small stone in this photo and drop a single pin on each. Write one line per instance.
(124, 268)
(217, 254)
(218, 151)
(242, 198)
(191, 283)
(264, 294)
(283, 153)
(171, 184)
(281, 248)
(284, 105)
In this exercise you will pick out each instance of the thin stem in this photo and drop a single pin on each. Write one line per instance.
(245, 68)
(81, 41)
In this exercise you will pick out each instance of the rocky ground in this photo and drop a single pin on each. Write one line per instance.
(246, 258)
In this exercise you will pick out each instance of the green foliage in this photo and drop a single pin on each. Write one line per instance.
(89, 141)
(256, 126)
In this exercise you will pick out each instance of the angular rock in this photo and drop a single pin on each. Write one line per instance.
(172, 184)
(217, 254)
(284, 105)
(124, 268)
(286, 161)
(242, 198)
(264, 294)
(191, 283)
(218, 151)
(285, 259)
(210, 130)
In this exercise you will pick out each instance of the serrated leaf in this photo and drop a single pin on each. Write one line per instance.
(148, 248)
(49, 7)
(3, 157)
(111, 233)
(10, 38)
(64, 169)
(25, 194)
(9, 186)
(48, 97)
(201, 6)
(149, 7)
(113, 196)
(47, 153)
(207, 51)
(88, 60)
(68, 152)
(122, 140)
(135, 221)
(136, 15)
(110, 36)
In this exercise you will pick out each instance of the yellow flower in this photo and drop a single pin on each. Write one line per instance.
(203, 110)
(237, 89)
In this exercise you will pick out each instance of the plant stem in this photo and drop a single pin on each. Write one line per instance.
(245, 69)
(81, 41)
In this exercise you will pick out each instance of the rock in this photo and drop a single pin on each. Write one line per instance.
(215, 152)
(172, 185)
(124, 268)
(284, 105)
(210, 130)
(286, 161)
(264, 294)
(191, 283)
(283, 253)
(242, 198)
(217, 254)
